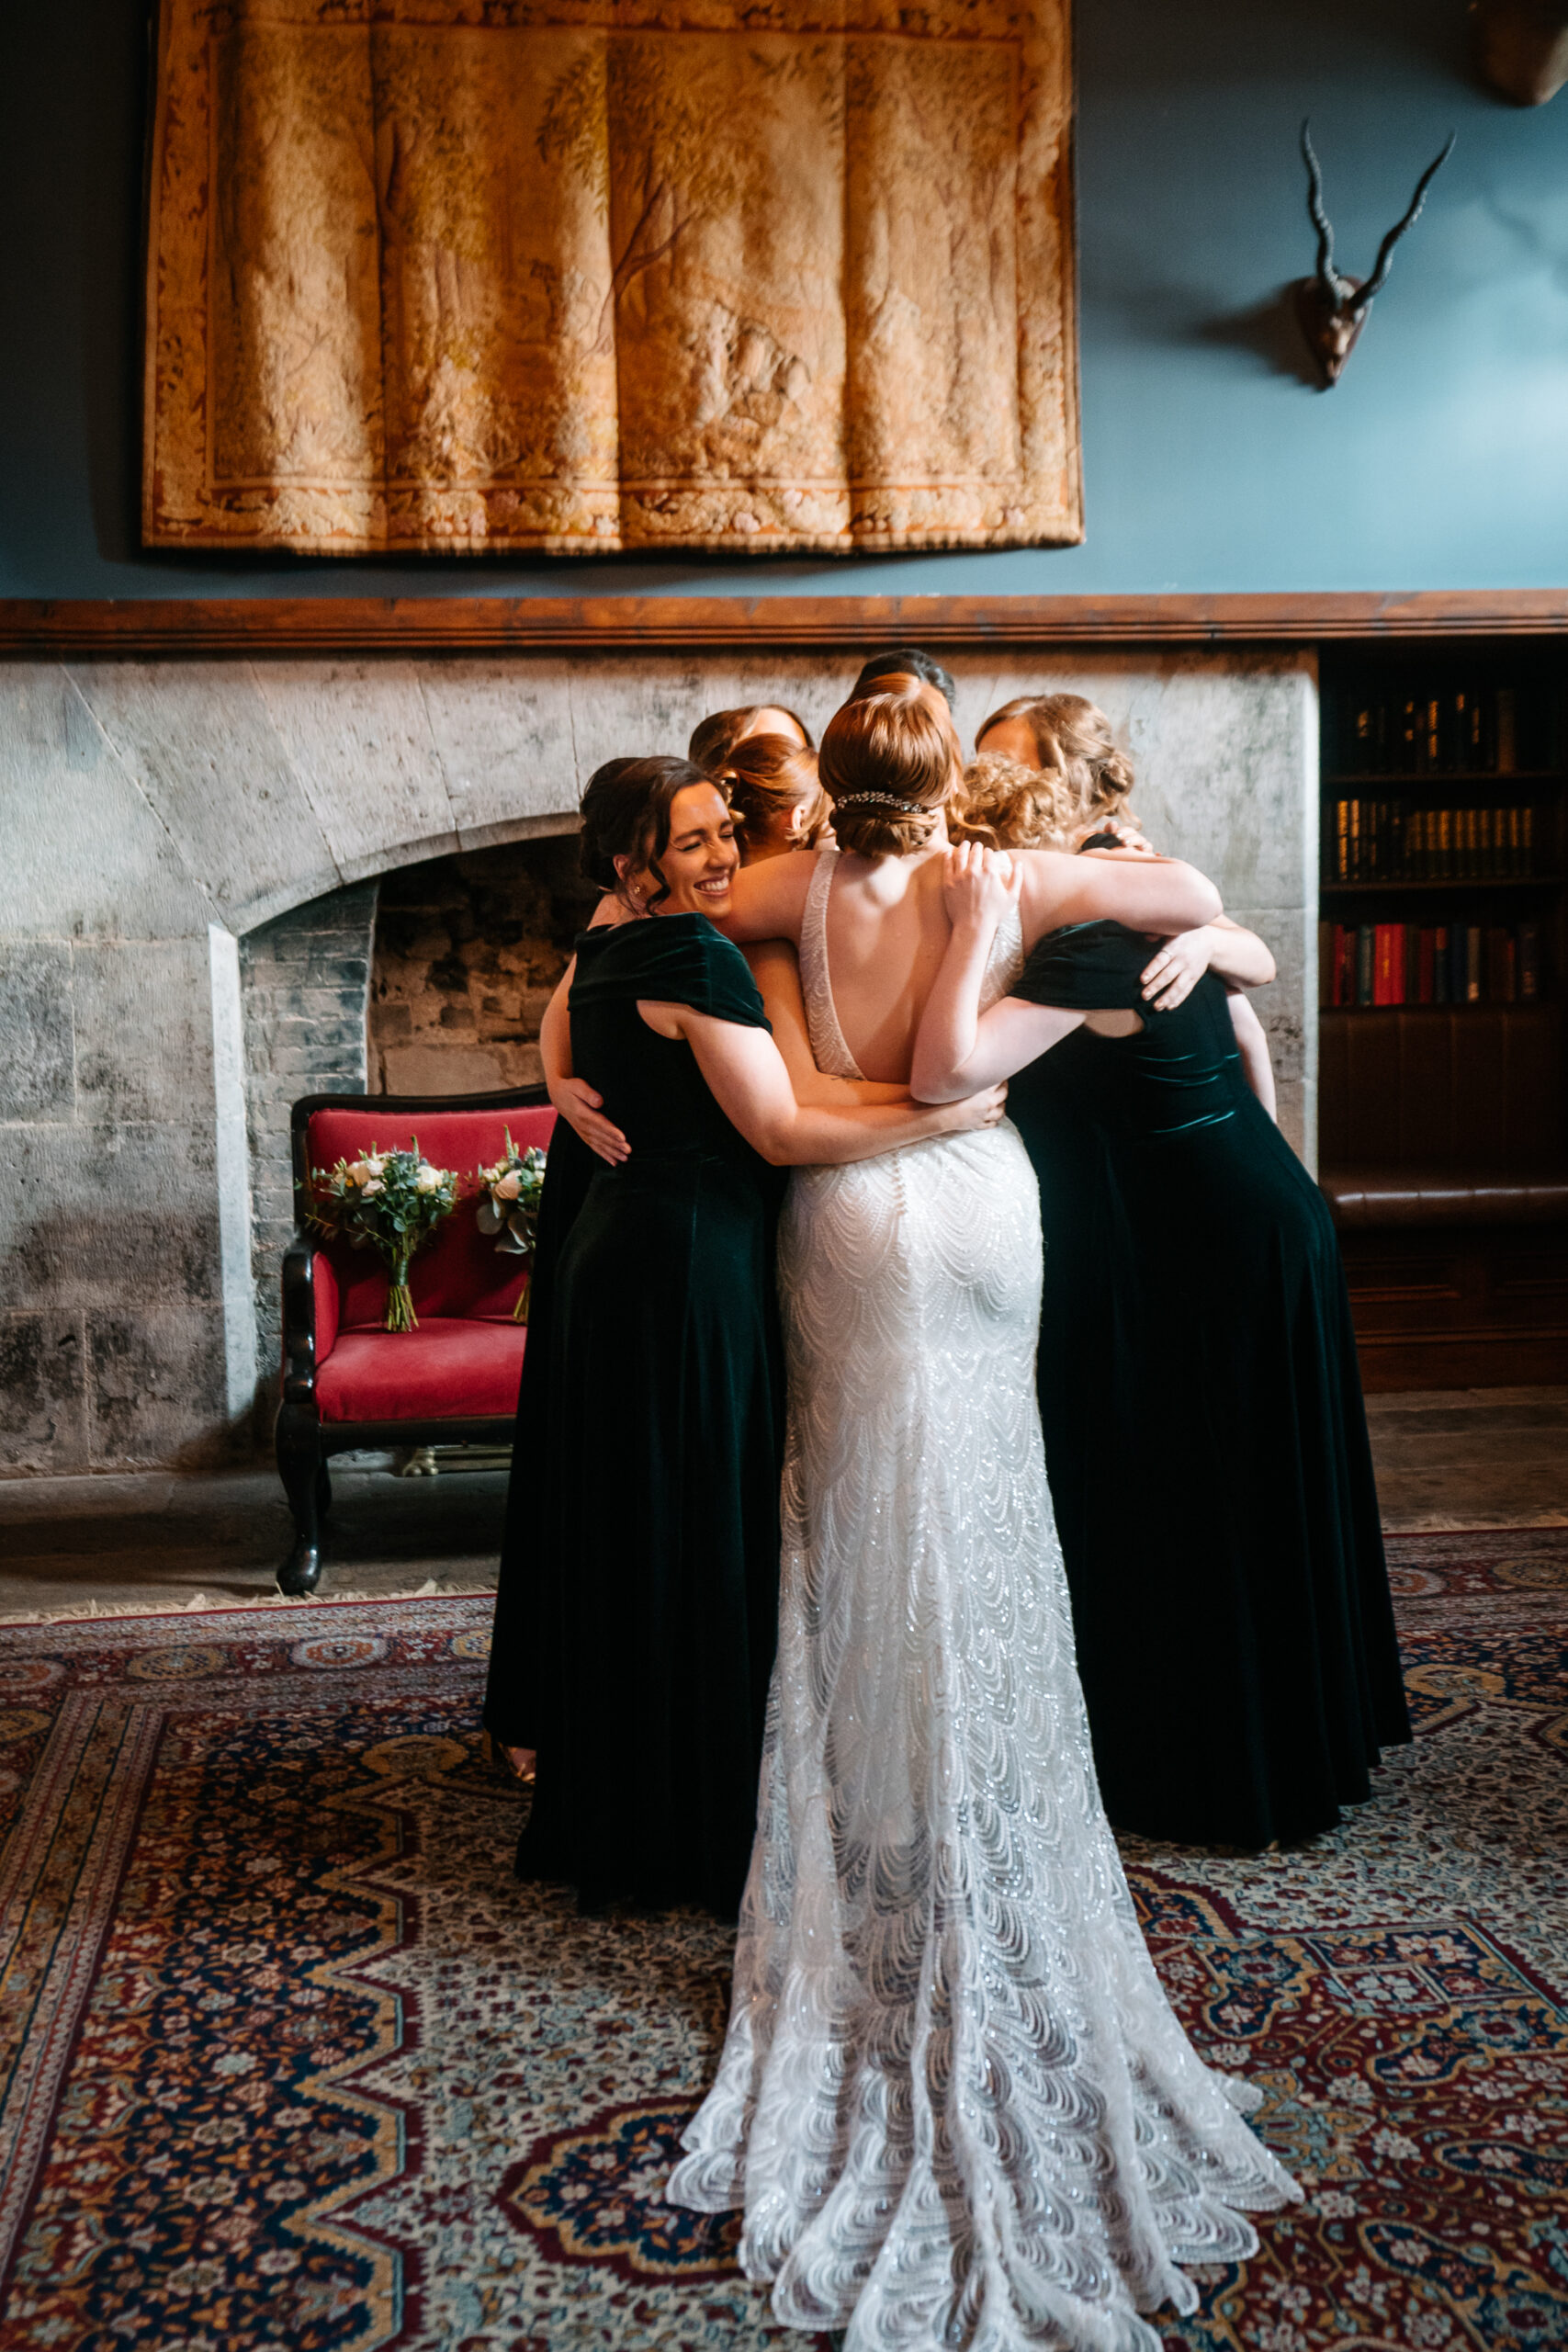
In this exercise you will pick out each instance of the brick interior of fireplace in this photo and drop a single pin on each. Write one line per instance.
(468, 952)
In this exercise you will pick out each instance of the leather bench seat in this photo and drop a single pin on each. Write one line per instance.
(1361, 1198)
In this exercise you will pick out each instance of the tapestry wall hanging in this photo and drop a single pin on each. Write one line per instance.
(573, 276)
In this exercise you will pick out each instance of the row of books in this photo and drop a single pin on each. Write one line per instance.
(1393, 841)
(1407, 963)
(1418, 730)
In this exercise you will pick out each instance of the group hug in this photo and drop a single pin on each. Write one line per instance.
(940, 1440)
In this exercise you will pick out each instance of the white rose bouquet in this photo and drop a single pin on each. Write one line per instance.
(512, 1191)
(388, 1201)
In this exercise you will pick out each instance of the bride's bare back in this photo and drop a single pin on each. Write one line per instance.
(887, 934)
(887, 929)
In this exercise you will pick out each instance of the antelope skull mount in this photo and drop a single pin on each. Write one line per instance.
(1332, 309)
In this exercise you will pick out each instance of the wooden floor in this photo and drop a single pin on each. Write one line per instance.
(1471, 1457)
(1478, 1457)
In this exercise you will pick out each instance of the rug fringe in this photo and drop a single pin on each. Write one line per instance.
(87, 1612)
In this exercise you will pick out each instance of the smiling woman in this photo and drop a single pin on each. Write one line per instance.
(634, 1635)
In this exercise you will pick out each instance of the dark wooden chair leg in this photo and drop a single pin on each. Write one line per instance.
(307, 1485)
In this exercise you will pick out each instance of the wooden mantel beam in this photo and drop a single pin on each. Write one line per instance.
(1521, 47)
(346, 627)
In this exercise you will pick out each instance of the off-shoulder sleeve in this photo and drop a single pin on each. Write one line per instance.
(674, 959)
(1088, 967)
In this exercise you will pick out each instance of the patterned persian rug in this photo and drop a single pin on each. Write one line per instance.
(289, 2058)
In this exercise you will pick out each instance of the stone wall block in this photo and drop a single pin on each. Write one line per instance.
(144, 1032)
(447, 1069)
(330, 1036)
(806, 683)
(1287, 1010)
(197, 738)
(38, 1049)
(302, 1066)
(152, 1379)
(43, 1393)
(108, 1215)
(305, 985)
(503, 731)
(628, 705)
(345, 974)
(84, 849)
(359, 736)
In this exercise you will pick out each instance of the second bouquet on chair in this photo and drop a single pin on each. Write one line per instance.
(513, 1190)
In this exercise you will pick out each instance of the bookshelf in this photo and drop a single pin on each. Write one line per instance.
(1442, 947)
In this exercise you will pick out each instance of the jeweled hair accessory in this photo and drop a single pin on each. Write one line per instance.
(886, 800)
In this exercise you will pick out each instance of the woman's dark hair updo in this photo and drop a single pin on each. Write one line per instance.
(626, 813)
(887, 763)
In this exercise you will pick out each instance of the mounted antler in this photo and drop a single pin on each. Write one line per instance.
(1333, 309)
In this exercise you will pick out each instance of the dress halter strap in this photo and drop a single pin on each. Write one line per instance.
(829, 1049)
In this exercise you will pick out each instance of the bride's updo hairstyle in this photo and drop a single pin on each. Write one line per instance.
(886, 764)
(1073, 738)
(626, 813)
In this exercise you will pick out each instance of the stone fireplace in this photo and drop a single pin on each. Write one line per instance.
(229, 883)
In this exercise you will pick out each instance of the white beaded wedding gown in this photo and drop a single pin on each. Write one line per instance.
(954, 2099)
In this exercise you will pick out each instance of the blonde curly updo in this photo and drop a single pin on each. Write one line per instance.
(1006, 806)
(887, 765)
(1076, 744)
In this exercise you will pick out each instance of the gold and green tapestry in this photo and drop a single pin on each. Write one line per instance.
(573, 276)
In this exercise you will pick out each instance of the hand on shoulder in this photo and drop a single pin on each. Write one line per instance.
(979, 886)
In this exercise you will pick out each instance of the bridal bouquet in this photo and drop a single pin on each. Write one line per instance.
(512, 1191)
(388, 1201)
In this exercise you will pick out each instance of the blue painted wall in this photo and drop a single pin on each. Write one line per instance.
(1441, 461)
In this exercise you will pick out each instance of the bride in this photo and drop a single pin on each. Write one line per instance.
(953, 2100)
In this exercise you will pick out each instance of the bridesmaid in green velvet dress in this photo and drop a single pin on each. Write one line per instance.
(647, 1622)
(1230, 1605)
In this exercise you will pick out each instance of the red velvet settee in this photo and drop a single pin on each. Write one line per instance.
(349, 1383)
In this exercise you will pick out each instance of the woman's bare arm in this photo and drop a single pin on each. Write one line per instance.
(1240, 956)
(1159, 894)
(1252, 1044)
(768, 900)
(746, 1075)
(575, 1100)
(775, 967)
(956, 1041)
(1237, 956)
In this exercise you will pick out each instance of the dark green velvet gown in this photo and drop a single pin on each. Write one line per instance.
(1204, 1429)
(648, 1611)
(509, 1687)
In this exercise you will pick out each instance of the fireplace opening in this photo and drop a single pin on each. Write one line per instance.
(466, 957)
